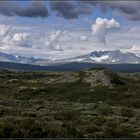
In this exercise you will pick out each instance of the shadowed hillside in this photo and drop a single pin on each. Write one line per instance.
(70, 67)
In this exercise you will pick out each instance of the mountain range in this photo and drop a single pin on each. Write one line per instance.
(103, 57)
(4, 57)
(109, 57)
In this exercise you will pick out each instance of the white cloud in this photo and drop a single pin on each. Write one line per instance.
(84, 38)
(54, 35)
(52, 39)
(18, 39)
(3, 30)
(102, 26)
(22, 39)
(61, 44)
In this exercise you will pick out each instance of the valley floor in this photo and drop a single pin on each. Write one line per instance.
(85, 104)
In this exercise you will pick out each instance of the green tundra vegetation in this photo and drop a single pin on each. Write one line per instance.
(92, 103)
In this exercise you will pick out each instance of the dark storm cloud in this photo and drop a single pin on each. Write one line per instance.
(70, 10)
(73, 9)
(34, 9)
(129, 9)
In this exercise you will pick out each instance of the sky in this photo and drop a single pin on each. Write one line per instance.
(64, 29)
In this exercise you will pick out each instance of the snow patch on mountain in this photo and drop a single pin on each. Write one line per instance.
(100, 59)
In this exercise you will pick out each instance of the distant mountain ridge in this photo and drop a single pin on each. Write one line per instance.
(116, 56)
(109, 57)
(4, 57)
(103, 57)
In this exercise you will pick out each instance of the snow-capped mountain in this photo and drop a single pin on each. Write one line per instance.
(115, 56)
(106, 57)
(4, 57)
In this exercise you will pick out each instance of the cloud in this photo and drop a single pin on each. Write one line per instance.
(129, 9)
(21, 39)
(47, 42)
(51, 40)
(54, 35)
(70, 10)
(3, 30)
(35, 9)
(54, 40)
(101, 27)
(84, 38)
(73, 9)
(18, 39)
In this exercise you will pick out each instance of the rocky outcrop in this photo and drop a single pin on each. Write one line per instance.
(95, 77)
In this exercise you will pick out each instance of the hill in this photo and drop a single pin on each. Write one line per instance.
(70, 67)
